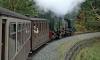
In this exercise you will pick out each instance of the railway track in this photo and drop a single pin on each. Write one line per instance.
(47, 50)
(83, 33)
(74, 49)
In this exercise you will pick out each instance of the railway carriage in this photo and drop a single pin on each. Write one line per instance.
(15, 33)
(42, 36)
(20, 34)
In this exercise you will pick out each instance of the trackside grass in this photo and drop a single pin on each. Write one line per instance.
(89, 53)
(63, 47)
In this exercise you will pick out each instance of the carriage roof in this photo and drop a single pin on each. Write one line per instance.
(40, 19)
(7, 12)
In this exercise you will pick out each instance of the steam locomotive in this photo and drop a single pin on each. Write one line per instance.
(20, 34)
(59, 27)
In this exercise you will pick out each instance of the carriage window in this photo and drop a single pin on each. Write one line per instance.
(23, 33)
(19, 27)
(37, 26)
(26, 25)
(27, 32)
(12, 40)
(23, 26)
(19, 36)
(34, 27)
(41, 26)
(45, 26)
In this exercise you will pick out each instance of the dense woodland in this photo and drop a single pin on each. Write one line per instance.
(88, 18)
(20, 6)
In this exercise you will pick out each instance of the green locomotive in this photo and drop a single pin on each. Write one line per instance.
(71, 26)
(58, 27)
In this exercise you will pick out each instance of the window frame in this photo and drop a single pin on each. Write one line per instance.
(21, 30)
(10, 33)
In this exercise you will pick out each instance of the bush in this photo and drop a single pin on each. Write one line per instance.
(92, 25)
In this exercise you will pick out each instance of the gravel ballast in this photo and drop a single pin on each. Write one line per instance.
(48, 53)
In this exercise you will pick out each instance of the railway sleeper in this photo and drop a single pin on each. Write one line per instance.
(74, 50)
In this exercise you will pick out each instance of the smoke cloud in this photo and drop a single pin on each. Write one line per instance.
(59, 7)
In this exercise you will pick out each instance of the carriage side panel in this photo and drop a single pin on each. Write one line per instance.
(41, 37)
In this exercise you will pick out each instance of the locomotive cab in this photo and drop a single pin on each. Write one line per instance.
(71, 29)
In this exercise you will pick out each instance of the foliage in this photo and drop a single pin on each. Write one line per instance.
(92, 25)
(20, 6)
(89, 53)
(89, 16)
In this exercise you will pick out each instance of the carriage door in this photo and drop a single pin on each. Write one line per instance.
(3, 39)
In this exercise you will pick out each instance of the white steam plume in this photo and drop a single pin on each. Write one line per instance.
(59, 7)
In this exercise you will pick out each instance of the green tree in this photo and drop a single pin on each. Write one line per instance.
(20, 6)
(91, 15)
